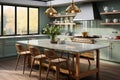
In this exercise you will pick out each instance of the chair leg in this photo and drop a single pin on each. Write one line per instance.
(89, 61)
(48, 71)
(31, 67)
(67, 65)
(24, 62)
(57, 71)
(40, 68)
(18, 58)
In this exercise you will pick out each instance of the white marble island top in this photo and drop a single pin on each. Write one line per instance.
(68, 46)
(21, 36)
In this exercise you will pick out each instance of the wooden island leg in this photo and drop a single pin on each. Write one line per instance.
(77, 67)
(98, 64)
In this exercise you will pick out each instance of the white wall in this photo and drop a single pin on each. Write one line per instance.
(61, 2)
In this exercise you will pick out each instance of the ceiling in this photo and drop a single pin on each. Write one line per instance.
(43, 0)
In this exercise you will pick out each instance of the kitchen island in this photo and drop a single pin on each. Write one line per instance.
(74, 49)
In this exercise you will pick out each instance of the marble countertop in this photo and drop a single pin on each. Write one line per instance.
(6, 37)
(106, 39)
(68, 46)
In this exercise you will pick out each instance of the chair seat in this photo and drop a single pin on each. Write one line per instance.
(40, 56)
(58, 60)
(24, 52)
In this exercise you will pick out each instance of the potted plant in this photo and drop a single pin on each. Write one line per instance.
(52, 30)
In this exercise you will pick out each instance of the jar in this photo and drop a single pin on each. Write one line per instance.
(107, 20)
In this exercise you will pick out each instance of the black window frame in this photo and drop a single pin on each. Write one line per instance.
(15, 34)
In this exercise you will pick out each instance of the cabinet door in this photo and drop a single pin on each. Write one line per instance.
(1, 48)
(105, 52)
(115, 56)
(9, 47)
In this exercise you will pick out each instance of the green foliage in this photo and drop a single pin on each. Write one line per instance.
(51, 30)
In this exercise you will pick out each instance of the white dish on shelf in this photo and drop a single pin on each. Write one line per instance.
(115, 10)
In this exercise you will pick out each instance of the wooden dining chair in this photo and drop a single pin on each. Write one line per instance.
(53, 59)
(22, 51)
(36, 55)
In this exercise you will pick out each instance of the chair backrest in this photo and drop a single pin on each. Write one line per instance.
(50, 54)
(28, 47)
(20, 48)
(34, 51)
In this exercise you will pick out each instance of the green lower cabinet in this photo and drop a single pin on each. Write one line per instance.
(115, 56)
(9, 47)
(1, 49)
(112, 53)
(104, 53)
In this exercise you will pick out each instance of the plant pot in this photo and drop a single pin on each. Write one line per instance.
(53, 40)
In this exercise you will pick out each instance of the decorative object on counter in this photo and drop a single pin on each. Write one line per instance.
(105, 8)
(72, 8)
(84, 34)
(53, 31)
(50, 11)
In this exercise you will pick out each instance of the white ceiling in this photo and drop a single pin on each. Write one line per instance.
(39, 3)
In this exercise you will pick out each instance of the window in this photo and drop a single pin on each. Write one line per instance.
(17, 20)
(8, 20)
(33, 20)
(22, 20)
(0, 20)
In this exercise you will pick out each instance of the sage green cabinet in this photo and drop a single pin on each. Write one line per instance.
(1, 49)
(7, 45)
(115, 55)
(112, 53)
(104, 52)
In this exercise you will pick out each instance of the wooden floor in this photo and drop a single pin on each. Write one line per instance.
(108, 71)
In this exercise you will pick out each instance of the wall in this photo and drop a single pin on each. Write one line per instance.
(94, 27)
(44, 19)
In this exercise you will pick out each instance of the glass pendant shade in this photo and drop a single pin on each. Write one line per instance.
(72, 8)
(50, 11)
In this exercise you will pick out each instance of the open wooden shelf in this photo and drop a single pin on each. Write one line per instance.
(66, 15)
(105, 13)
(64, 23)
(110, 23)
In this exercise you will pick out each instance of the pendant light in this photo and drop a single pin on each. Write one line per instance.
(72, 8)
(50, 11)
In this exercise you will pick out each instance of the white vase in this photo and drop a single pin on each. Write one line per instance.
(105, 8)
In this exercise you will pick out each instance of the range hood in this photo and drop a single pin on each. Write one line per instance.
(89, 11)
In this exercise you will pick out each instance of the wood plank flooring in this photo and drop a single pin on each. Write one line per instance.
(108, 71)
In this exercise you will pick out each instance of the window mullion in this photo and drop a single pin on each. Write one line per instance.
(28, 20)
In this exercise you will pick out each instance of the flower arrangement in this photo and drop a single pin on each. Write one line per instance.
(52, 30)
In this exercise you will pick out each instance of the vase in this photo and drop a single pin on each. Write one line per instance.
(53, 40)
